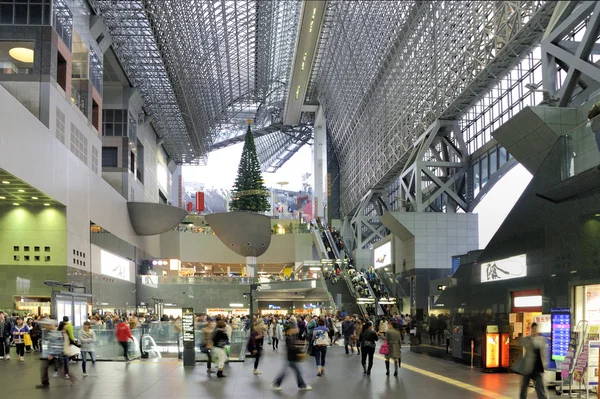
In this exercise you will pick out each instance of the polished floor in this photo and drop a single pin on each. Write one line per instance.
(420, 377)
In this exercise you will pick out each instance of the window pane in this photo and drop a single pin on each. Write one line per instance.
(493, 162)
(502, 156)
(6, 14)
(35, 15)
(21, 14)
(484, 171)
(109, 157)
(476, 177)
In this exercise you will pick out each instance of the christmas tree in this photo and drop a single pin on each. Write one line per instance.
(249, 192)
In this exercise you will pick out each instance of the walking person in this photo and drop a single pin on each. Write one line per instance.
(207, 343)
(54, 341)
(293, 357)
(36, 336)
(276, 333)
(367, 345)
(255, 343)
(321, 341)
(348, 332)
(533, 364)
(18, 333)
(87, 338)
(220, 341)
(123, 333)
(5, 329)
(393, 336)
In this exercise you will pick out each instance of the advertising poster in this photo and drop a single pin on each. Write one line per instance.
(504, 269)
(594, 352)
(592, 305)
(382, 255)
(492, 350)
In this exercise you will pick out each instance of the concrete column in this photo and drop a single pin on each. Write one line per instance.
(251, 266)
(320, 165)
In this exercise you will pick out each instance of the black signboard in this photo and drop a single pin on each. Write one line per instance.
(188, 327)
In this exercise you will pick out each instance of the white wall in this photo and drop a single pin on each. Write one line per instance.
(31, 152)
(190, 247)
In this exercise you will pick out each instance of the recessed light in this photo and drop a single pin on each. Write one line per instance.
(46, 204)
(5, 182)
(21, 190)
(22, 54)
(15, 204)
(34, 197)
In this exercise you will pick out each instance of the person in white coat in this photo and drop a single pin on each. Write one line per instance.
(87, 338)
(276, 333)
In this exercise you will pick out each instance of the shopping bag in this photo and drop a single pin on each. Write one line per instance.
(27, 340)
(384, 349)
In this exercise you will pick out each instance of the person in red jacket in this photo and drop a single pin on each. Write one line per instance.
(123, 334)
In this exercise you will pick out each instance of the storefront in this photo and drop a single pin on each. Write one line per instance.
(227, 311)
(33, 305)
(586, 300)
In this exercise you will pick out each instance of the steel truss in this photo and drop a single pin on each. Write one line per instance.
(366, 223)
(386, 70)
(571, 46)
(277, 148)
(435, 173)
(204, 67)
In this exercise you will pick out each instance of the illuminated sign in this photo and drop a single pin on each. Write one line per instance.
(187, 324)
(382, 255)
(114, 266)
(174, 264)
(274, 307)
(504, 269)
(532, 301)
(561, 332)
(492, 350)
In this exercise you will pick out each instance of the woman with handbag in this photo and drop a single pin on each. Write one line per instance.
(393, 345)
(367, 344)
(321, 341)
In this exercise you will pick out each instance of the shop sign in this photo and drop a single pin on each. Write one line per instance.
(150, 281)
(504, 269)
(492, 350)
(187, 321)
(309, 306)
(274, 307)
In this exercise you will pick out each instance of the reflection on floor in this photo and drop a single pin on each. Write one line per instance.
(420, 377)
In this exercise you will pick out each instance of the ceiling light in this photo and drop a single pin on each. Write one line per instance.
(46, 204)
(15, 204)
(22, 54)
(2, 197)
(34, 197)
(21, 190)
(5, 182)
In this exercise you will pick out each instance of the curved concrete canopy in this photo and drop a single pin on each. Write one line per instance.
(245, 233)
(149, 219)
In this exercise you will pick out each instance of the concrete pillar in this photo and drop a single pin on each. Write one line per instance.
(251, 266)
(320, 165)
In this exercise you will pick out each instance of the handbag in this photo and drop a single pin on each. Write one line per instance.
(384, 349)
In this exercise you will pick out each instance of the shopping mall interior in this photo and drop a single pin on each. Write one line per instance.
(178, 169)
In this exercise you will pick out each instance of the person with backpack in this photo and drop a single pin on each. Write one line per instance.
(348, 332)
(320, 340)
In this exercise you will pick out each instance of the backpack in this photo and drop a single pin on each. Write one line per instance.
(321, 338)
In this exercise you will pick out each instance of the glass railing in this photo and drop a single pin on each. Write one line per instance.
(157, 340)
(294, 229)
(155, 281)
(236, 350)
(107, 347)
(582, 148)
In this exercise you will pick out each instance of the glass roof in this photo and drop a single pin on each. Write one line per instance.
(205, 67)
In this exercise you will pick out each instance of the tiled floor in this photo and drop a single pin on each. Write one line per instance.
(343, 379)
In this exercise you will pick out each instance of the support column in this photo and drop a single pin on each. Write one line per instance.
(319, 165)
(251, 266)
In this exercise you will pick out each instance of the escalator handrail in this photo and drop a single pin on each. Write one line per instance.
(332, 244)
(322, 249)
